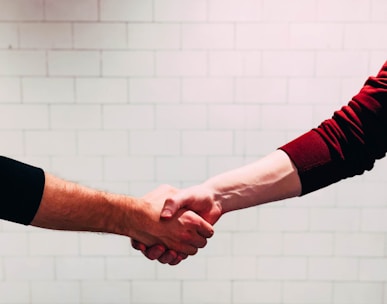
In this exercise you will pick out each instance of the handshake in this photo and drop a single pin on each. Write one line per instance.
(184, 223)
(167, 224)
(183, 219)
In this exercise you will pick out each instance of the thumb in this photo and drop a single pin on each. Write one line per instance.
(170, 208)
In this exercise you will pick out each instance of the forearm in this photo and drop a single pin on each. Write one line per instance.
(69, 206)
(269, 179)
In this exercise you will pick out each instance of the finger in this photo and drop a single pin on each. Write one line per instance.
(138, 245)
(180, 257)
(170, 208)
(205, 229)
(168, 257)
(155, 252)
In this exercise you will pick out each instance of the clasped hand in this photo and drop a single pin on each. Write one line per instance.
(190, 212)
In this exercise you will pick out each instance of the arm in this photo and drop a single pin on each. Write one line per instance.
(341, 147)
(30, 196)
(269, 179)
(69, 206)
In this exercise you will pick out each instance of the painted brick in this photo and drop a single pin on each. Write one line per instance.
(357, 293)
(262, 36)
(373, 220)
(314, 36)
(21, 10)
(235, 10)
(180, 10)
(76, 168)
(101, 90)
(11, 143)
(163, 292)
(128, 117)
(373, 269)
(46, 90)
(308, 244)
(61, 292)
(50, 143)
(99, 245)
(283, 219)
(14, 244)
(287, 64)
(208, 90)
(26, 63)
(129, 169)
(148, 142)
(97, 292)
(45, 35)
(181, 63)
(85, 10)
(75, 268)
(331, 219)
(364, 37)
(282, 268)
(378, 10)
(8, 35)
(207, 143)
(210, 292)
(14, 292)
(314, 91)
(177, 168)
(181, 117)
(71, 63)
(307, 292)
(154, 36)
(154, 90)
(193, 268)
(264, 244)
(331, 10)
(335, 269)
(10, 90)
(102, 143)
(71, 117)
(207, 36)
(100, 36)
(126, 10)
(261, 90)
(29, 268)
(129, 268)
(299, 10)
(343, 63)
(366, 244)
(18, 117)
(125, 63)
(286, 117)
(53, 243)
(256, 291)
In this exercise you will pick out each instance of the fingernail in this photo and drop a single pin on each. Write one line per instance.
(166, 213)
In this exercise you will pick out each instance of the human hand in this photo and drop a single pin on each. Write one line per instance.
(197, 198)
(200, 199)
(183, 233)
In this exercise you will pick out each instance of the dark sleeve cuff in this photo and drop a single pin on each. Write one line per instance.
(22, 188)
(312, 158)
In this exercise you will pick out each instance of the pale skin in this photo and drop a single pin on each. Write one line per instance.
(269, 179)
(70, 206)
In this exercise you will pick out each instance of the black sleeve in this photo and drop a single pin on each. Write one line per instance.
(21, 188)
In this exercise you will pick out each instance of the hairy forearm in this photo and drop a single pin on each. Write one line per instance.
(269, 179)
(69, 206)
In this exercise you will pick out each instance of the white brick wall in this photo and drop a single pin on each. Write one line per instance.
(124, 95)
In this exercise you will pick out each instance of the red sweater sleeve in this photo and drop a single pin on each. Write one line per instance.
(348, 143)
